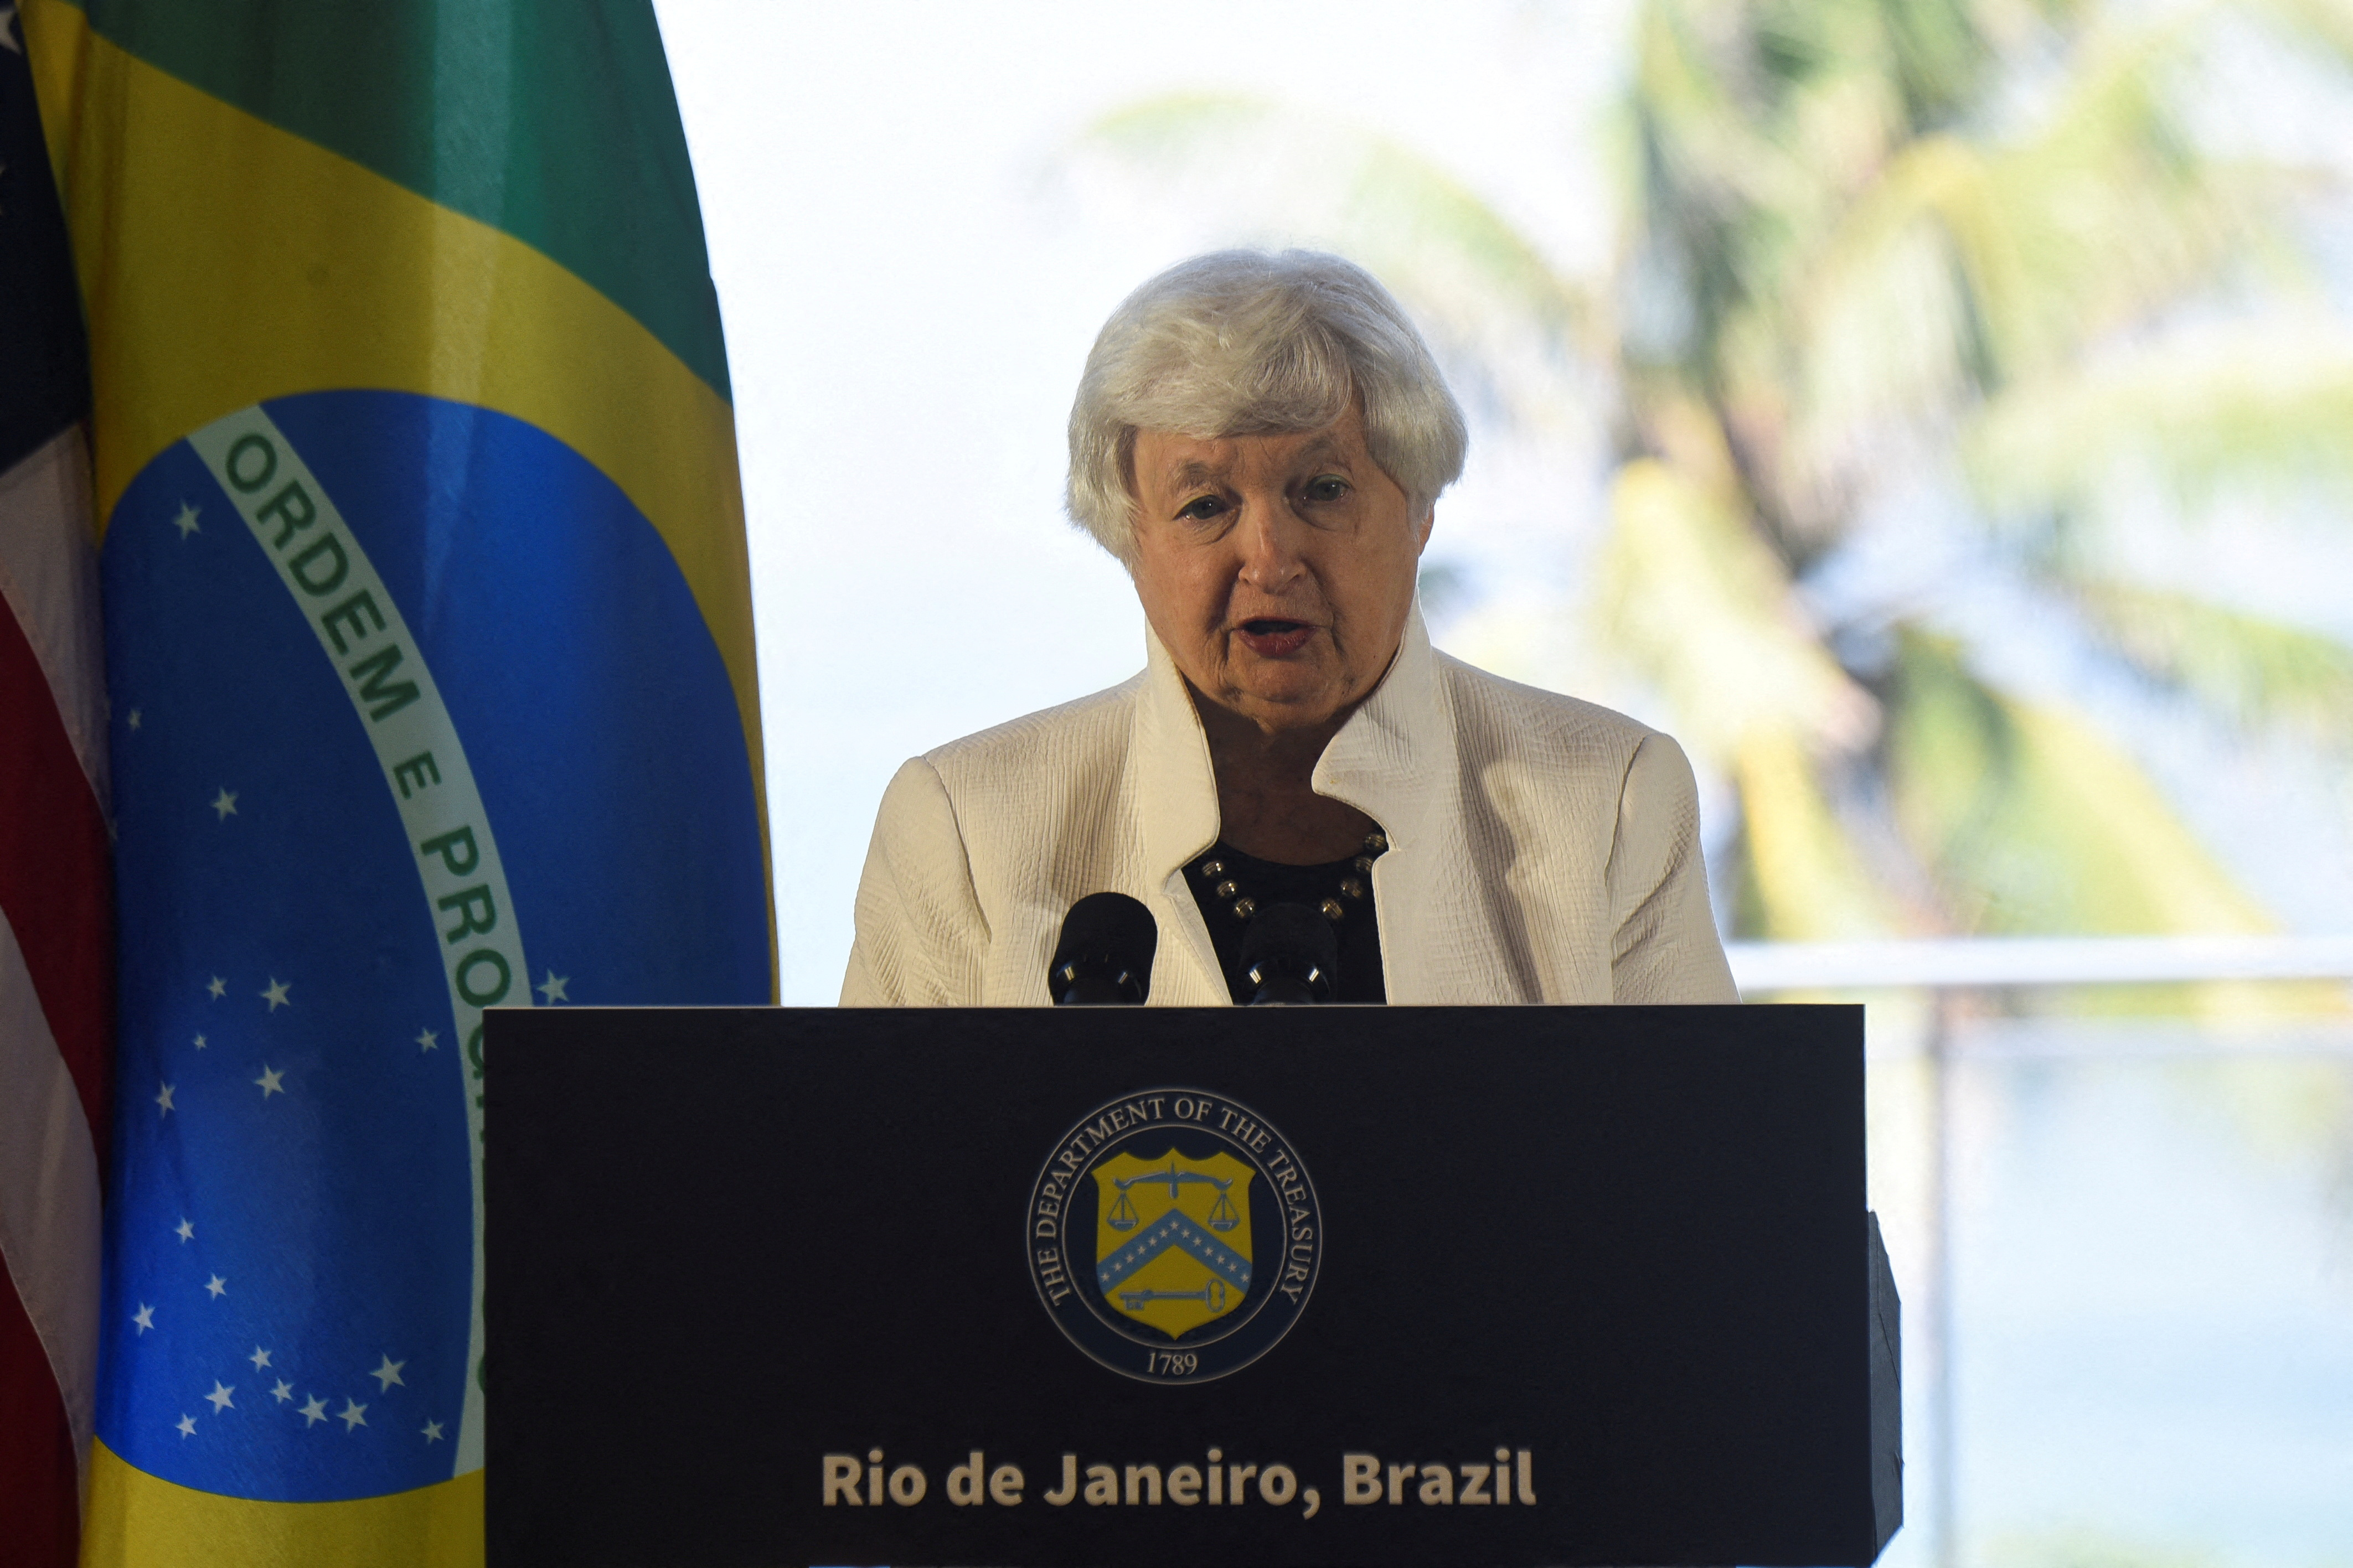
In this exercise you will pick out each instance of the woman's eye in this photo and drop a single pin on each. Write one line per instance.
(1328, 488)
(1201, 507)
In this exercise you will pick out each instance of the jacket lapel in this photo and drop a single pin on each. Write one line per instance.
(1176, 792)
(1395, 762)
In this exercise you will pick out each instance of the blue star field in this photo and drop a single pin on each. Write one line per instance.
(289, 1265)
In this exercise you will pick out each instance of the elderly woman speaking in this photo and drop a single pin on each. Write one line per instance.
(1260, 439)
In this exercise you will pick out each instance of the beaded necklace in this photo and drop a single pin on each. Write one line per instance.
(1241, 905)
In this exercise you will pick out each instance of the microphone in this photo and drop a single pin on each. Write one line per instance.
(1104, 955)
(1292, 955)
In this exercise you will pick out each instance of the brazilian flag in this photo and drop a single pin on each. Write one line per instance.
(429, 655)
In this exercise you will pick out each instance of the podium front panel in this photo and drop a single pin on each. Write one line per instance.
(1138, 1286)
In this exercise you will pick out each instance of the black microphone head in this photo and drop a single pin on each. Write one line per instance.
(1106, 952)
(1291, 954)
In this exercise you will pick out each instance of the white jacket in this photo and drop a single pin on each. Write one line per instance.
(1542, 849)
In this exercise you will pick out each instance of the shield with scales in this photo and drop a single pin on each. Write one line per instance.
(1173, 1237)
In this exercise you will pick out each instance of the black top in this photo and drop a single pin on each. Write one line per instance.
(1267, 882)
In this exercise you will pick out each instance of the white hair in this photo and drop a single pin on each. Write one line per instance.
(1252, 342)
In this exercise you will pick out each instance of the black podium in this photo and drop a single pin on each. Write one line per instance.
(1125, 1288)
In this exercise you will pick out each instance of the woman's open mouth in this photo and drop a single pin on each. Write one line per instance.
(1274, 638)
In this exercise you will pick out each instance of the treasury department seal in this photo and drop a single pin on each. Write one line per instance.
(1174, 1234)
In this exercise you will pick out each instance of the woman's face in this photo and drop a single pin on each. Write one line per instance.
(1277, 570)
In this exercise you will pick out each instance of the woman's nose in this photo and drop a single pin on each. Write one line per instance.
(1271, 538)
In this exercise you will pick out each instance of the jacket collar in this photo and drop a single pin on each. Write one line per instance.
(1393, 761)
(1394, 757)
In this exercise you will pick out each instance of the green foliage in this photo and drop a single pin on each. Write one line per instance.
(2264, 407)
(2032, 821)
(2255, 671)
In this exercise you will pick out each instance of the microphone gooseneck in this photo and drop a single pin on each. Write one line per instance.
(1291, 956)
(1104, 955)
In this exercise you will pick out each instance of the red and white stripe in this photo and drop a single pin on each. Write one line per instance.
(56, 992)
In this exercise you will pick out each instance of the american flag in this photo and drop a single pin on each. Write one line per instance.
(56, 990)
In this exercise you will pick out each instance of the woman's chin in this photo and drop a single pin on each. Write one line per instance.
(1287, 698)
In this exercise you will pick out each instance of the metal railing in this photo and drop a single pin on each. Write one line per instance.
(1950, 968)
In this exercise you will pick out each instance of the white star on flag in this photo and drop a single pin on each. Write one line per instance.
(217, 1286)
(388, 1373)
(283, 1392)
(260, 1358)
(276, 994)
(427, 1041)
(145, 1317)
(187, 1425)
(218, 988)
(432, 1431)
(186, 522)
(184, 1230)
(133, 719)
(268, 1081)
(164, 1098)
(352, 1413)
(553, 988)
(314, 1412)
(200, 1042)
(220, 1396)
(224, 802)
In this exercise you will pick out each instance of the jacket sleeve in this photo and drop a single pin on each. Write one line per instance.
(1665, 947)
(920, 935)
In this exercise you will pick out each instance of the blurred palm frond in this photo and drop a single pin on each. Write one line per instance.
(2251, 668)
